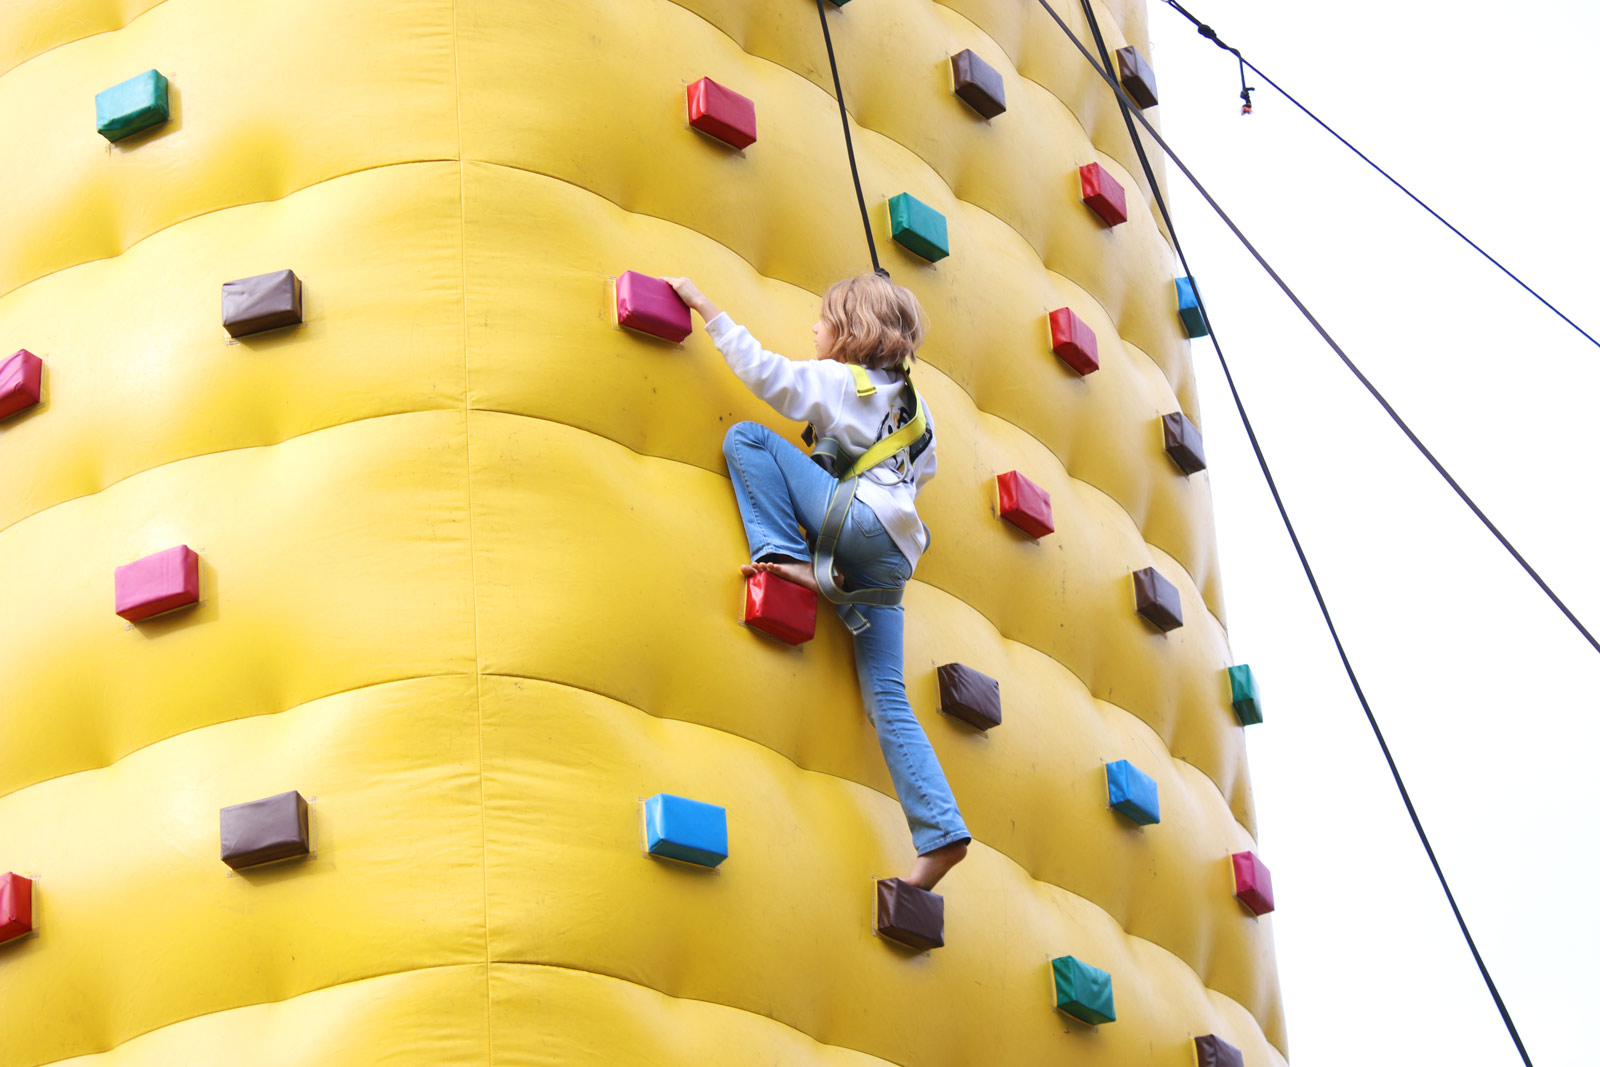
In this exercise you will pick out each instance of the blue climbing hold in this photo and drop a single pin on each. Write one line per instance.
(1194, 324)
(1133, 793)
(686, 830)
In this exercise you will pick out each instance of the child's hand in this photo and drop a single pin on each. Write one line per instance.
(691, 295)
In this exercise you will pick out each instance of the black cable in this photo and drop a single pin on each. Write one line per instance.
(1326, 337)
(1211, 35)
(1416, 822)
(844, 120)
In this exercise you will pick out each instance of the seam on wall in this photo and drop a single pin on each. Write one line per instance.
(259, 1003)
(646, 455)
(838, 777)
(953, 595)
(525, 170)
(472, 540)
(223, 722)
(25, 60)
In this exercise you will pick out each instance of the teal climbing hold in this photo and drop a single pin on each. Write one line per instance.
(132, 107)
(1083, 992)
(918, 227)
(1194, 324)
(1246, 701)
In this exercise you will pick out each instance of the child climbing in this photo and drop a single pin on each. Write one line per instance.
(856, 504)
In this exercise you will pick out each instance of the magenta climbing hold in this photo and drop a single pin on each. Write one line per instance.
(21, 380)
(16, 906)
(1073, 342)
(1103, 194)
(1252, 883)
(651, 306)
(720, 112)
(158, 583)
(1024, 505)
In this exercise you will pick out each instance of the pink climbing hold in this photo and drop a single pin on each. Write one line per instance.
(717, 111)
(157, 584)
(16, 906)
(1252, 882)
(651, 306)
(21, 377)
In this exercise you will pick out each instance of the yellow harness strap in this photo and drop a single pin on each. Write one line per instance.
(904, 437)
(864, 386)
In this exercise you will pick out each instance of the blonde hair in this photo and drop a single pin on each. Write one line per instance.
(875, 323)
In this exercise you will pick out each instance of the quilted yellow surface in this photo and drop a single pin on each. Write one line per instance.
(469, 554)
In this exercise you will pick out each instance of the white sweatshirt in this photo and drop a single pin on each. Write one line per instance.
(823, 393)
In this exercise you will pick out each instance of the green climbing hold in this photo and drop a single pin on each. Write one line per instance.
(132, 107)
(1246, 701)
(918, 227)
(1083, 992)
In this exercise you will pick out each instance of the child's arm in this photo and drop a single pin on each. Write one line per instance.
(803, 390)
(690, 294)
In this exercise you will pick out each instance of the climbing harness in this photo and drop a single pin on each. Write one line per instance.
(832, 457)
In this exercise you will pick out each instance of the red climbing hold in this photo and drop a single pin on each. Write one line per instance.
(1073, 341)
(651, 306)
(722, 113)
(1024, 505)
(780, 608)
(1103, 194)
(20, 380)
(16, 906)
(158, 583)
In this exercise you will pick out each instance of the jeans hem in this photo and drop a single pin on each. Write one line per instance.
(947, 839)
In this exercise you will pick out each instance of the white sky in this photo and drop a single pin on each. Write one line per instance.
(1485, 693)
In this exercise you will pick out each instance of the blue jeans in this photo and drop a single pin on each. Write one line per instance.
(780, 491)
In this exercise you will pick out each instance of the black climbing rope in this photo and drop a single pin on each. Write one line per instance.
(1129, 112)
(1211, 35)
(1305, 312)
(844, 120)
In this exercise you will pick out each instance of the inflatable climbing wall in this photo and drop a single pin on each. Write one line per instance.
(377, 679)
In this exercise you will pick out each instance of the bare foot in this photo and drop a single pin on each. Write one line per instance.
(798, 573)
(928, 869)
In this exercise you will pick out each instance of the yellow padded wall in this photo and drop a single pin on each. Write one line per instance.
(469, 551)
